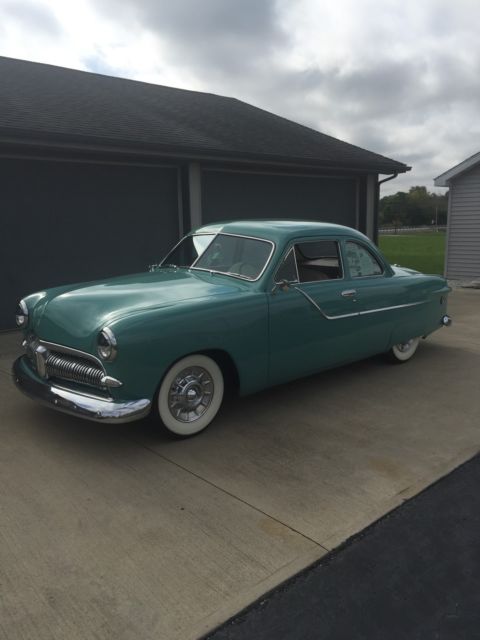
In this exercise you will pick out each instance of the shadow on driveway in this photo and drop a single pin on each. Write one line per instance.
(413, 574)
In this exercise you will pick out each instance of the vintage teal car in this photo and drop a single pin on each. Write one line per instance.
(245, 304)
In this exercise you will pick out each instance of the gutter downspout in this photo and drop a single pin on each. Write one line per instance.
(377, 203)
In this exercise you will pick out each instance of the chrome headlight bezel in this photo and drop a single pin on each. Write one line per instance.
(107, 345)
(21, 315)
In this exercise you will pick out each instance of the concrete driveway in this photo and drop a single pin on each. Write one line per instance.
(115, 532)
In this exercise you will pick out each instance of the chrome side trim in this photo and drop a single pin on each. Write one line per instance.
(398, 306)
(327, 317)
(356, 313)
(76, 404)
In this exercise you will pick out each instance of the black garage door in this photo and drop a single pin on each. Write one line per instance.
(229, 195)
(71, 222)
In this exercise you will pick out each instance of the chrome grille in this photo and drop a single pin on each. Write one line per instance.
(67, 367)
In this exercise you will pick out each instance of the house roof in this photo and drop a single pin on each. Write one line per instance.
(46, 104)
(443, 180)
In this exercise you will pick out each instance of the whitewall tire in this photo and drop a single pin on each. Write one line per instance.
(190, 395)
(404, 351)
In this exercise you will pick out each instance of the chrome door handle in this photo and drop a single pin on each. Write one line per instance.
(349, 293)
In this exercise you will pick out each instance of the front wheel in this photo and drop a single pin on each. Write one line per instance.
(190, 395)
(404, 351)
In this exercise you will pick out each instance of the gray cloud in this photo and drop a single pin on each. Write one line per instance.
(400, 79)
(31, 15)
(213, 36)
(413, 105)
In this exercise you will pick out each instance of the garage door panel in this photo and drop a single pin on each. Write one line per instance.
(68, 222)
(228, 195)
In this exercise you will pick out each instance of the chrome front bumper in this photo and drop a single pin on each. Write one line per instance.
(75, 404)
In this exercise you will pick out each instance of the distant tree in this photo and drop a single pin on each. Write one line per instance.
(413, 208)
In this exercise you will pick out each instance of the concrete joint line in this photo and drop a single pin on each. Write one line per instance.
(228, 493)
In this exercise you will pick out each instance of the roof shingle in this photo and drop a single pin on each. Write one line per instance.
(47, 102)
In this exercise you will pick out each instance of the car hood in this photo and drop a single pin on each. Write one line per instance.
(82, 309)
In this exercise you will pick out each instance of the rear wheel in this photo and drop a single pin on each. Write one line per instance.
(404, 351)
(190, 395)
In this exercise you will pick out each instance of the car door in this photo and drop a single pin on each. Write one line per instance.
(312, 319)
(378, 297)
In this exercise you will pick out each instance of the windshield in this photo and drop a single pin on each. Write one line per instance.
(187, 251)
(233, 255)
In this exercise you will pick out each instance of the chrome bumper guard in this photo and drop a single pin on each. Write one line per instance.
(76, 404)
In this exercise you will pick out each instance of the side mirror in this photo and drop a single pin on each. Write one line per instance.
(284, 285)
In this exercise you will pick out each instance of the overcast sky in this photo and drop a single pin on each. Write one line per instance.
(401, 78)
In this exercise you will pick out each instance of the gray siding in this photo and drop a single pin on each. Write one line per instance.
(463, 244)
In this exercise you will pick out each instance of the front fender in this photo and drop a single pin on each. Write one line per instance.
(149, 342)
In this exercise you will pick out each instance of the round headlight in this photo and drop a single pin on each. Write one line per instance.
(21, 316)
(106, 344)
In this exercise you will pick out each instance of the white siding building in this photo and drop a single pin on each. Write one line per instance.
(462, 258)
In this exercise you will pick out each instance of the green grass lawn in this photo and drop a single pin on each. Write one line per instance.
(423, 251)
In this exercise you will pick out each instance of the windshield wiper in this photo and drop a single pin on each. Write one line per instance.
(224, 273)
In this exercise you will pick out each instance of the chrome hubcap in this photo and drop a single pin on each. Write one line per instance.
(190, 394)
(405, 346)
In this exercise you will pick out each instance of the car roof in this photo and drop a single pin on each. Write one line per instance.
(279, 230)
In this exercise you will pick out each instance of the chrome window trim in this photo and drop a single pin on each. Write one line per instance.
(235, 275)
(182, 239)
(284, 258)
(224, 273)
(357, 313)
(374, 275)
(340, 257)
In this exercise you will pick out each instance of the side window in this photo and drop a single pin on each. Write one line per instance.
(287, 269)
(361, 262)
(318, 260)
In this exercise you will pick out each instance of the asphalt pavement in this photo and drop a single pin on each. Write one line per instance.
(414, 574)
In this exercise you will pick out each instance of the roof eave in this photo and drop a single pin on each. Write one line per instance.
(443, 180)
(84, 143)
